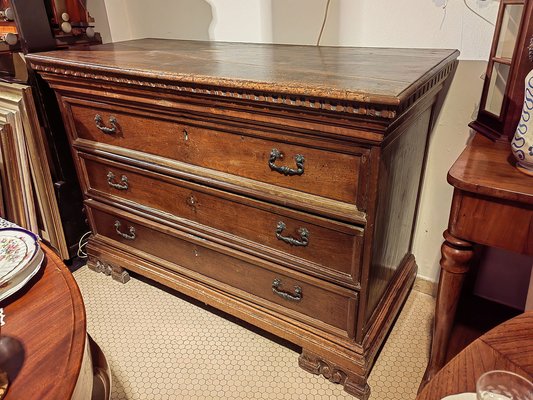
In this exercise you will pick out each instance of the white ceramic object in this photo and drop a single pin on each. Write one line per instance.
(19, 280)
(17, 249)
(10, 38)
(522, 143)
(66, 27)
(20, 259)
(461, 396)
(9, 14)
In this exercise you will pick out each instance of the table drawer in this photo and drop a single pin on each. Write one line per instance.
(218, 146)
(326, 248)
(300, 296)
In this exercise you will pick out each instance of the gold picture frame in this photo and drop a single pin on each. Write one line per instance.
(15, 162)
(15, 96)
(13, 201)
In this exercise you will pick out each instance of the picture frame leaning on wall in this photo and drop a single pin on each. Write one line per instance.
(19, 97)
(10, 173)
(14, 160)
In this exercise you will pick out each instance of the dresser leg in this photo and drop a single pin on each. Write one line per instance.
(117, 273)
(456, 255)
(120, 274)
(353, 384)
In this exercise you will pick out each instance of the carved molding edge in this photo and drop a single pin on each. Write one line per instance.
(117, 273)
(343, 106)
(355, 385)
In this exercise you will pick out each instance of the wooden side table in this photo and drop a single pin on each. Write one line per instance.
(509, 346)
(492, 205)
(44, 347)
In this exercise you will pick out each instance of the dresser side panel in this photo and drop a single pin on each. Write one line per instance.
(398, 186)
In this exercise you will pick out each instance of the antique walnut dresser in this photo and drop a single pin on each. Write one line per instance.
(277, 183)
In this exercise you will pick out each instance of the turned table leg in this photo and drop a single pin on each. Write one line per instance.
(456, 254)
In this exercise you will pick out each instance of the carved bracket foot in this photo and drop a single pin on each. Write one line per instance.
(117, 273)
(353, 384)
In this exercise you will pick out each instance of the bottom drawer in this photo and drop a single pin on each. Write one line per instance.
(293, 294)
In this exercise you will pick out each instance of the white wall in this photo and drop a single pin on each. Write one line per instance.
(383, 23)
(98, 12)
(405, 23)
(447, 141)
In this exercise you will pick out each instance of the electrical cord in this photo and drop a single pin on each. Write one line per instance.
(81, 245)
(444, 7)
(323, 23)
(478, 14)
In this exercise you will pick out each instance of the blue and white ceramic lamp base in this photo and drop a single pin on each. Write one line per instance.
(522, 143)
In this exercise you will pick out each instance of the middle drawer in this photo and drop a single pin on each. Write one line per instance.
(325, 248)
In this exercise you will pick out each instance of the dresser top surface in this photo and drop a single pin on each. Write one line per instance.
(380, 75)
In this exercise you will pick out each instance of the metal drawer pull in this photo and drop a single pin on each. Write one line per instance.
(275, 154)
(276, 286)
(127, 236)
(304, 235)
(119, 186)
(100, 124)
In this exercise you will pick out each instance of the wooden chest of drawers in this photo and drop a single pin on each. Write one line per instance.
(277, 183)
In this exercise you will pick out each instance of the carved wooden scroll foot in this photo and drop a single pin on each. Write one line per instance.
(354, 385)
(117, 273)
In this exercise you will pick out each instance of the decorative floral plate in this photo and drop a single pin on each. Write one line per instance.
(22, 276)
(17, 249)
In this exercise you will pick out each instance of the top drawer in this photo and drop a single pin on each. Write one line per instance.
(220, 146)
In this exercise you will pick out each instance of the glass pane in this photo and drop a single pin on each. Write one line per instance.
(498, 81)
(509, 30)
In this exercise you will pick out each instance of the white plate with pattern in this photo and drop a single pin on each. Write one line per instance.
(17, 248)
(20, 259)
(19, 280)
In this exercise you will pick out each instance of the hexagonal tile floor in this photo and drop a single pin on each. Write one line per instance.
(164, 346)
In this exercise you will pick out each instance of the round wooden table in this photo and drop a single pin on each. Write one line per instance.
(44, 346)
(509, 347)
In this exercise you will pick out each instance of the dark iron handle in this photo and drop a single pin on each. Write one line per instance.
(118, 186)
(100, 124)
(275, 154)
(304, 235)
(276, 286)
(128, 236)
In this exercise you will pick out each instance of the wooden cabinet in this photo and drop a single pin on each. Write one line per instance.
(511, 58)
(277, 183)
